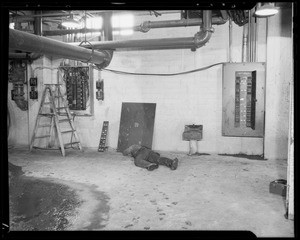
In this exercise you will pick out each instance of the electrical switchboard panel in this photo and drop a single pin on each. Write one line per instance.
(243, 99)
(77, 86)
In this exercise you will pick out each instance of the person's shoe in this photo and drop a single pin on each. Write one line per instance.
(152, 167)
(174, 164)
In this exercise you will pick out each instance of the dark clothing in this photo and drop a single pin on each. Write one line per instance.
(145, 157)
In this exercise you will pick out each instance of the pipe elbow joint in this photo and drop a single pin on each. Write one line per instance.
(107, 59)
(144, 27)
(201, 38)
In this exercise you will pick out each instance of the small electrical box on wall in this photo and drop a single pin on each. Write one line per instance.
(243, 99)
(33, 94)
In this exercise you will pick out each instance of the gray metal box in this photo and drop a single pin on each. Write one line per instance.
(243, 99)
(192, 132)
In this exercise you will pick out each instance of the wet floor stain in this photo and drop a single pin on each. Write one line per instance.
(100, 216)
(48, 204)
(36, 204)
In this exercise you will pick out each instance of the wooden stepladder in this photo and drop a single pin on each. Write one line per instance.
(104, 132)
(54, 106)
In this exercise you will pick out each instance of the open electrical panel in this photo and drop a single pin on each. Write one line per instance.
(243, 99)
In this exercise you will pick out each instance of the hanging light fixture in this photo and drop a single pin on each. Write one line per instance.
(70, 23)
(266, 9)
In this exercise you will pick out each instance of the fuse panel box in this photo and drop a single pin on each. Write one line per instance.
(77, 87)
(243, 99)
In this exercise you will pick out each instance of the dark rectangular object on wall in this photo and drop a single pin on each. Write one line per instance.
(136, 125)
(192, 132)
(243, 99)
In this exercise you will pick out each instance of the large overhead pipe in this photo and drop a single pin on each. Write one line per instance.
(69, 31)
(38, 25)
(146, 26)
(21, 18)
(107, 26)
(27, 42)
(193, 43)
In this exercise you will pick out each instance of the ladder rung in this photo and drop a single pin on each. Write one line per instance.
(46, 114)
(71, 143)
(44, 148)
(61, 108)
(47, 102)
(68, 131)
(43, 136)
(44, 125)
(65, 120)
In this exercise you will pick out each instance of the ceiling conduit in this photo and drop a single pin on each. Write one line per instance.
(27, 42)
(193, 43)
(146, 26)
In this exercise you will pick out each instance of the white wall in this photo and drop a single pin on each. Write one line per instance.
(194, 98)
(279, 75)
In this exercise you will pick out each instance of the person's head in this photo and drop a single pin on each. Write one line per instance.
(127, 152)
(132, 150)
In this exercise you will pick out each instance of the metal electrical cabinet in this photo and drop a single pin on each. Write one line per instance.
(243, 99)
(79, 88)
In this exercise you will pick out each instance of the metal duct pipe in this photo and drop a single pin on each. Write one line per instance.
(245, 41)
(38, 26)
(69, 31)
(146, 26)
(197, 41)
(23, 41)
(230, 40)
(107, 26)
(224, 15)
(25, 17)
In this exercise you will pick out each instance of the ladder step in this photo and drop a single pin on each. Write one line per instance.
(47, 102)
(43, 136)
(71, 143)
(46, 114)
(44, 148)
(61, 108)
(69, 131)
(44, 125)
(65, 120)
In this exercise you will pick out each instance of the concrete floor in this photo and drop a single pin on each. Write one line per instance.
(209, 192)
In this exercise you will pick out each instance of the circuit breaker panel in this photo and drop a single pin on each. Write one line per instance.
(243, 99)
(77, 87)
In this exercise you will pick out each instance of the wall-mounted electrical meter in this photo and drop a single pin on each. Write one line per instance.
(243, 99)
